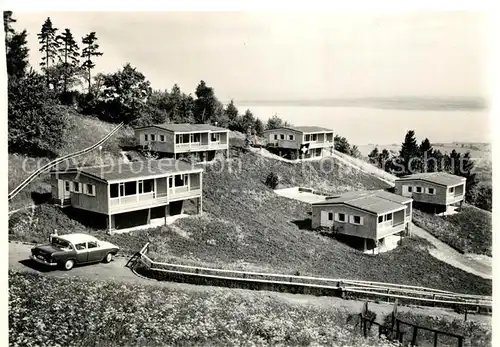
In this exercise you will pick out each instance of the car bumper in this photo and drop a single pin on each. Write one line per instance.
(42, 261)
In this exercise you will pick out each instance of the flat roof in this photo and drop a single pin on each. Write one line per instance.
(304, 129)
(441, 178)
(135, 169)
(375, 201)
(185, 127)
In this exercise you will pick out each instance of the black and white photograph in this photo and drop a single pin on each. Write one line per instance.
(249, 178)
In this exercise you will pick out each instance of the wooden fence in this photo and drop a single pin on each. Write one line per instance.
(355, 289)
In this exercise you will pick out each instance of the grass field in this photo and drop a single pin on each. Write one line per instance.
(247, 226)
(77, 312)
(469, 231)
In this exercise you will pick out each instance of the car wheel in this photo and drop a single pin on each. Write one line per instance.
(68, 265)
(108, 258)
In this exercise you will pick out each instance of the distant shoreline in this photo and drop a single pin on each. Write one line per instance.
(403, 103)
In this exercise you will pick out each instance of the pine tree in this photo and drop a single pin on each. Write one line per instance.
(16, 48)
(50, 45)
(231, 112)
(69, 54)
(409, 154)
(426, 153)
(373, 156)
(259, 127)
(90, 51)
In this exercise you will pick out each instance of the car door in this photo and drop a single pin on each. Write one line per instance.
(81, 252)
(95, 252)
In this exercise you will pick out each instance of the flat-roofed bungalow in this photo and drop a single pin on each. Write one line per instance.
(175, 140)
(288, 140)
(370, 215)
(436, 190)
(129, 194)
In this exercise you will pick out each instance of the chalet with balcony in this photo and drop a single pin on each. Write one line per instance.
(367, 215)
(178, 140)
(290, 140)
(432, 190)
(130, 194)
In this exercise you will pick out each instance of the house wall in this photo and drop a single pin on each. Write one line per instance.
(161, 185)
(439, 198)
(367, 230)
(97, 203)
(157, 145)
(286, 143)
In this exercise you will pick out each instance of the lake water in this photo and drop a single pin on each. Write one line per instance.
(364, 125)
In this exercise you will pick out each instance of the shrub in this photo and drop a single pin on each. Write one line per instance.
(272, 180)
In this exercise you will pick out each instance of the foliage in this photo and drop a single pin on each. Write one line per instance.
(16, 48)
(207, 108)
(111, 313)
(276, 122)
(50, 43)
(475, 333)
(469, 231)
(89, 52)
(258, 127)
(34, 125)
(272, 180)
(69, 51)
(409, 155)
(484, 198)
(124, 96)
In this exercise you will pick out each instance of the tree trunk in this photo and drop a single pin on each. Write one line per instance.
(65, 66)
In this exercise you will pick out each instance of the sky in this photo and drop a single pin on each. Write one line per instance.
(275, 56)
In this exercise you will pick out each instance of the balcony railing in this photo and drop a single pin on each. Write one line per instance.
(196, 146)
(137, 201)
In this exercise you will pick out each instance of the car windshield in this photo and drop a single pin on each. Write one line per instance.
(60, 243)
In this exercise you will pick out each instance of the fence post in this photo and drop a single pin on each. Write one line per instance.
(398, 332)
(364, 326)
(465, 319)
(460, 341)
(414, 337)
(435, 339)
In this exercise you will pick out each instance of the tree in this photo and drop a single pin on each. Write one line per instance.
(247, 121)
(231, 113)
(259, 127)
(426, 153)
(35, 124)
(384, 162)
(16, 48)
(373, 156)
(125, 95)
(208, 109)
(88, 53)
(50, 46)
(70, 56)
(409, 154)
(341, 144)
(484, 198)
(275, 122)
(355, 152)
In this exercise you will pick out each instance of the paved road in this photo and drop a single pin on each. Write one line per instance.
(450, 256)
(116, 271)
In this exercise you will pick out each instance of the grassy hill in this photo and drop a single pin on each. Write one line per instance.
(83, 132)
(247, 226)
(469, 231)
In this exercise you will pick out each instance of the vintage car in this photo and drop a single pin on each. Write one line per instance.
(70, 249)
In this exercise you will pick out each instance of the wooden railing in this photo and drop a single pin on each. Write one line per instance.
(365, 289)
(44, 168)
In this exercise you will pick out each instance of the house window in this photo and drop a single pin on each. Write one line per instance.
(153, 137)
(356, 220)
(195, 138)
(146, 186)
(178, 139)
(275, 136)
(341, 217)
(67, 186)
(291, 137)
(215, 137)
(314, 137)
(90, 189)
(113, 190)
(181, 180)
(419, 189)
(170, 182)
(389, 216)
(431, 191)
(145, 137)
(282, 136)
(162, 138)
(308, 138)
(452, 190)
(330, 216)
(76, 187)
(130, 188)
(380, 219)
(410, 189)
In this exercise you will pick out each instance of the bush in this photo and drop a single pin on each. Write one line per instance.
(272, 180)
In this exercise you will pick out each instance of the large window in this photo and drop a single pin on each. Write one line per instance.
(380, 219)
(314, 137)
(181, 180)
(389, 216)
(216, 137)
(113, 190)
(308, 138)
(195, 138)
(130, 188)
(146, 186)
